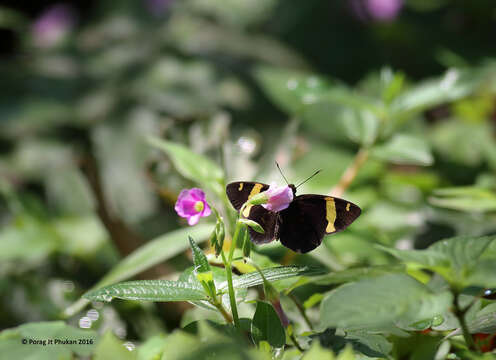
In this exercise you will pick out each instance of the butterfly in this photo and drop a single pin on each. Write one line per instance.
(302, 225)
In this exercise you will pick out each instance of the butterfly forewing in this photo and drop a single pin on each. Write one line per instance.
(309, 217)
(239, 192)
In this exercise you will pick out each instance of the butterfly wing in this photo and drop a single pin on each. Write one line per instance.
(239, 192)
(267, 220)
(309, 217)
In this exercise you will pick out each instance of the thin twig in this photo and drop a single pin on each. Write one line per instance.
(301, 309)
(295, 342)
(351, 172)
(460, 314)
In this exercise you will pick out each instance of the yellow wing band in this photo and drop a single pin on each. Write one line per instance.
(256, 189)
(330, 214)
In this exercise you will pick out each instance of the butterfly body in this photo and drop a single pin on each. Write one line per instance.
(302, 225)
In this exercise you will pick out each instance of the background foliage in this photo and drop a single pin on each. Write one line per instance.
(109, 109)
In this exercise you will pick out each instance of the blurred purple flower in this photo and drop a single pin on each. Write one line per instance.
(379, 10)
(279, 198)
(191, 204)
(53, 25)
(157, 7)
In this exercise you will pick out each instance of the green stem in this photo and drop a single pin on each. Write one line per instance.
(228, 266)
(460, 314)
(295, 342)
(301, 310)
(223, 311)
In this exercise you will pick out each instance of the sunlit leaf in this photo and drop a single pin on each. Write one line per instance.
(38, 334)
(405, 149)
(148, 290)
(191, 165)
(162, 248)
(465, 198)
(271, 274)
(380, 301)
(109, 346)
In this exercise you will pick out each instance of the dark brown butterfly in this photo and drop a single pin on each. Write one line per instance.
(301, 226)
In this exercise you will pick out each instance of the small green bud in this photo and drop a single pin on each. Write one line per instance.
(220, 234)
(259, 199)
(246, 243)
(254, 225)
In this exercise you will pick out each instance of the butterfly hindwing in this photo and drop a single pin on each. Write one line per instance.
(267, 220)
(239, 192)
(309, 217)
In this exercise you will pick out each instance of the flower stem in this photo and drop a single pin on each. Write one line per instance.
(460, 314)
(301, 310)
(223, 311)
(228, 266)
(351, 172)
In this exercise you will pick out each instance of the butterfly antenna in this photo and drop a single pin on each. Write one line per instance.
(284, 177)
(311, 176)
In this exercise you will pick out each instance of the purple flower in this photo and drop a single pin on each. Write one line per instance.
(191, 204)
(279, 197)
(379, 10)
(53, 25)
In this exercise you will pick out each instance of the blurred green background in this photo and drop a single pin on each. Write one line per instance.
(306, 83)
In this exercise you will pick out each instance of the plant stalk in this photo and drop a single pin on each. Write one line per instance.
(351, 172)
(228, 266)
(460, 314)
(223, 311)
(302, 311)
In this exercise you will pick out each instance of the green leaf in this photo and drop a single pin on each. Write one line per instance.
(271, 274)
(484, 321)
(180, 345)
(369, 343)
(191, 165)
(405, 149)
(317, 352)
(380, 301)
(152, 348)
(199, 258)
(453, 85)
(463, 251)
(313, 300)
(428, 258)
(266, 326)
(110, 347)
(11, 346)
(456, 259)
(465, 198)
(325, 107)
(288, 88)
(154, 252)
(148, 290)
(354, 274)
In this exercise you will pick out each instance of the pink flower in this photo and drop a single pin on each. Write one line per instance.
(53, 25)
(378, 10)
(191, 204)
(279, 198)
